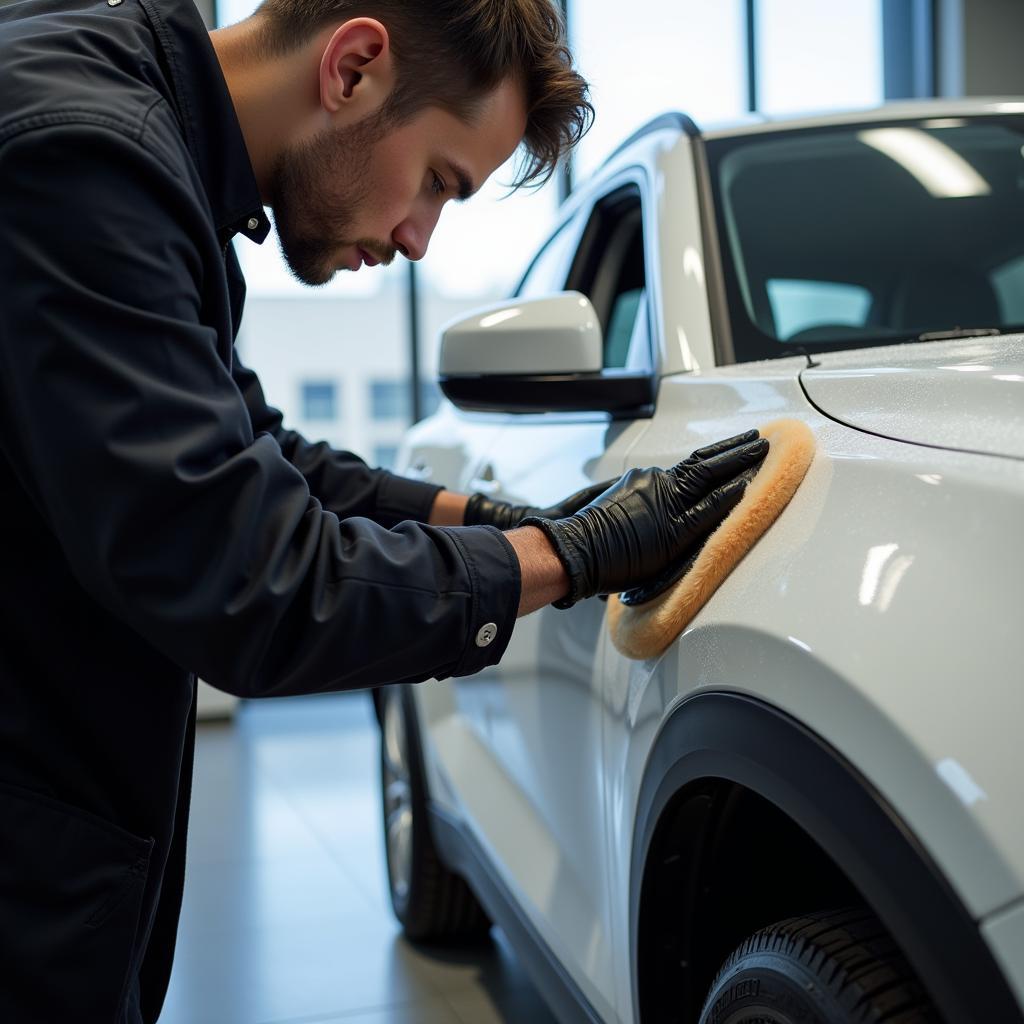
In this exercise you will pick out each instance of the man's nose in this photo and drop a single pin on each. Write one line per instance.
(413, 235)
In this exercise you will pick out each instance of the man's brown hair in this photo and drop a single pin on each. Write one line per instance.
(451, 53)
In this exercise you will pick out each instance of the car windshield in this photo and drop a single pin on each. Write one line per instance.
(870, 234)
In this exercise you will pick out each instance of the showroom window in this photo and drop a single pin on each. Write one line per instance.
(817, 56)
(687, 55)
(549, 270)
(319, 400)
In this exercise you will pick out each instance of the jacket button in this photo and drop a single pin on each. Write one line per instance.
(253, 223)
(486, 634)
(113, 3)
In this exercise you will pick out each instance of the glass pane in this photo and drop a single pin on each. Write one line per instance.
(550, 269)
(687, 55)
(231, 11)
(899, 230)
(1008, 281)
(820, 56)
(798, 305)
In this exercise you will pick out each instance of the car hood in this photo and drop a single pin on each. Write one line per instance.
(966, 395)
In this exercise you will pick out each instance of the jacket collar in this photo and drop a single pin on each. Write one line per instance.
(207, 114)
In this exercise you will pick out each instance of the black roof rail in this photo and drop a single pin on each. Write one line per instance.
(673, 119)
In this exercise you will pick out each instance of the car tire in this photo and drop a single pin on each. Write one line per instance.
(432, 903)
(837, 967)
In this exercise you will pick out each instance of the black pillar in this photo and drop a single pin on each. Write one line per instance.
(750, 26)
(413, 297)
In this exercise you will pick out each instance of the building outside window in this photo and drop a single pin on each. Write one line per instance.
(384, 455)
(389, 399)
(319, 400)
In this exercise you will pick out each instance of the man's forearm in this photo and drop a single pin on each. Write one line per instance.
(544, 577)
(449, 509)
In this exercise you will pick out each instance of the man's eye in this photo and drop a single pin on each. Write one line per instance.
(437, 186)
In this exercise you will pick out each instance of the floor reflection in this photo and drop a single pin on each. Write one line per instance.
(286, 917)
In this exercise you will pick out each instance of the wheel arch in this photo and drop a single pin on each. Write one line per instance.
(718, 748)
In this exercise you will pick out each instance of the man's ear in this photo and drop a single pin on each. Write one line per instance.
(357, 69)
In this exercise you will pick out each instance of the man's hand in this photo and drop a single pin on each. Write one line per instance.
(482, 511)
(649, 519)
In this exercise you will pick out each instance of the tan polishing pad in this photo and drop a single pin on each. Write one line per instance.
(645, 630)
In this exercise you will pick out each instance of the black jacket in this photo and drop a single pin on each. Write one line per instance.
(157, 520)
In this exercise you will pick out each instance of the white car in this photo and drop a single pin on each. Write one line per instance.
(810, 807)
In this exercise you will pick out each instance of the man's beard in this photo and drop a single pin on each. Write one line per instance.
(312, 227)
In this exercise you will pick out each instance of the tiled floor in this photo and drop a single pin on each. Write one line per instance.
(286, 915)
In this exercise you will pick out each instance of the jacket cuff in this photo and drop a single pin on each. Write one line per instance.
(496, 580)
(400, 499)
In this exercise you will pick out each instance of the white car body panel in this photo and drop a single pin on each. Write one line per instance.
(848, 615)
(686, 344)
(504, 338)
(886, 584)
(967, 395)
(973, 106)
(491, 743)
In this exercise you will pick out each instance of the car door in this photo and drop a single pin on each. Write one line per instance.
(529, 783)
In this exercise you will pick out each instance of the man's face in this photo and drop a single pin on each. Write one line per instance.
(362, 193)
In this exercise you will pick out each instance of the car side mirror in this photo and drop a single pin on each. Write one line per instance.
(536, 355)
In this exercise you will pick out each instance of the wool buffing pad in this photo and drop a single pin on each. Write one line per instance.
(645, 630)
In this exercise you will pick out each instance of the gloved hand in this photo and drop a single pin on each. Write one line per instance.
(482, 511)
(649, 519)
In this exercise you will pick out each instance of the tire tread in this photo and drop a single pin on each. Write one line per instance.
(441, 908)
(853, 958)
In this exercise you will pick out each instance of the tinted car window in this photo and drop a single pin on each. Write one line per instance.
(900, 229)
(610, 269)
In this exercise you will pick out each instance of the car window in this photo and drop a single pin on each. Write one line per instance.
(1008, 281)
(900, 225)
(610, 269)
(803, 306)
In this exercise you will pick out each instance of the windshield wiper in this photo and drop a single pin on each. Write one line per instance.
(958, 332)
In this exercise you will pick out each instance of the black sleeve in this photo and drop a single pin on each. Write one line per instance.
(134, 443)
(341, 481)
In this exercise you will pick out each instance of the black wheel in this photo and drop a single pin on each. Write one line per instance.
(839, 967)
(432, 903)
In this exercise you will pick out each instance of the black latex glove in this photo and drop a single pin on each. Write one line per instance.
(649, 519)
(481, 511)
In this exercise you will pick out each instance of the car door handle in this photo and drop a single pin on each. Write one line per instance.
(485, 484)
(419, 470)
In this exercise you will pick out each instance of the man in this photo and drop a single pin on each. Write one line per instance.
(159, 521)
